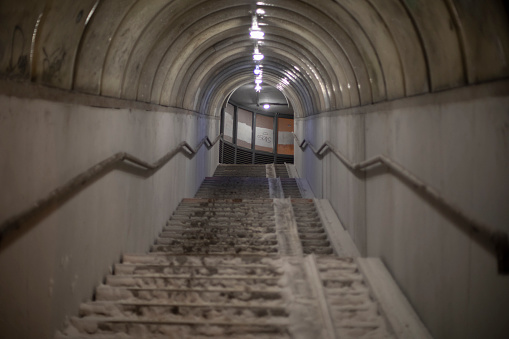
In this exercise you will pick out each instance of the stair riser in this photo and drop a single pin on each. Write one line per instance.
(162, 296)
(179, 312)
(214, 249)
(160, 330)
(122, 269)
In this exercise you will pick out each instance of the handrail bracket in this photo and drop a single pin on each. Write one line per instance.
(496, 239)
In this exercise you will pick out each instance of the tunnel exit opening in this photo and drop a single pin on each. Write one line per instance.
(257, 127)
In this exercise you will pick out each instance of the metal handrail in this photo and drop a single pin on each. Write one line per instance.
(496, 239)
(81, 180)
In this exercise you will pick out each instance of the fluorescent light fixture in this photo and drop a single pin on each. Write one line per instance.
(256, 34)
(257, 56)
(257, 70)
(258, 88)
(258, 81)
(266, 106)
(260, 11)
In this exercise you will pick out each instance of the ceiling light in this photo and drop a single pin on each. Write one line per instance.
(257, 56)
(256, 34)
(258, 88)
(266, 106)
(258, 81)
(257, 70)
(260, 11)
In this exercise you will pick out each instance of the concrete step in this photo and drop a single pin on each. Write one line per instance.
(229, 187)
(291, 188)
(148, 327)
(346, 300)
(216, 271)
(315, 242)
(219, 241)
(231, 223)
(178, 332)
(185, 281)
(270, 297)
(314, 239)
(312, 236)
(240, 170)
(194, 270)
(281, 171)
(317, 250)
(234, 211)
(213, 249)
(219, 231)
(233, 230)
(308, 229)
(209, 260)
(182, 311)
(222, 227)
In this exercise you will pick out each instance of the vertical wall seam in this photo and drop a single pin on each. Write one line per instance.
(370, 4)
(101, 79)
(421, 42)
(453, 13)
(80, 43)
(34, 43)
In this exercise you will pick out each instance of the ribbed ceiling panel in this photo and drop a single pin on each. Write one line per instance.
(324, 55)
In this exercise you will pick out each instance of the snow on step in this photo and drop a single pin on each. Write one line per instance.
(281, 171)
(240, 170)
(355, 314)
(312, 234)
(246, 297)
(291, 188)
(238, 187)
(154, 328)
(217, 271)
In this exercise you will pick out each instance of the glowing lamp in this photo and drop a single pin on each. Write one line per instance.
(256, 34)
(257, 56)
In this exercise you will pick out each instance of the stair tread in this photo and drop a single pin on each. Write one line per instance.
(216, 265)
(188, 276)
(258, 323)
(103, 303)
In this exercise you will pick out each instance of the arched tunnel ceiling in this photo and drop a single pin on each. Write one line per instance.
(323, 55)
(248, 98)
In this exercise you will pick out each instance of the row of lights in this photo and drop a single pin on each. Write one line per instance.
(255, 32)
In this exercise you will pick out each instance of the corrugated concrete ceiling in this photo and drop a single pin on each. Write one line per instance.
(323, 55)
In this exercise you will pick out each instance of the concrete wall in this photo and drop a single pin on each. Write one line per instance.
(48, 267)
(456, 141)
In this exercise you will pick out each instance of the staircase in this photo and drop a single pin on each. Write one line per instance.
(235, 263)
(309, 226)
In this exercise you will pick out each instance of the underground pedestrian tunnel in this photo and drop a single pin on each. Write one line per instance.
(112, 112)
